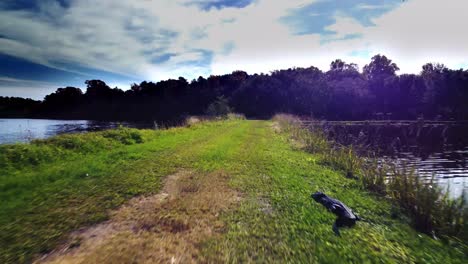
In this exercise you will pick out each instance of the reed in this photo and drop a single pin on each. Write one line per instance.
(429, 208)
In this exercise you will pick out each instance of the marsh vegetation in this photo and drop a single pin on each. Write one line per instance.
(433, 149)
(430, 209)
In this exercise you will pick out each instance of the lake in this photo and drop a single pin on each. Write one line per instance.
(436, 149)
(25, 130)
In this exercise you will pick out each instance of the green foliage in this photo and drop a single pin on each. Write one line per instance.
(63, 147)
(125, 136)
(380, 67)
(341, 93)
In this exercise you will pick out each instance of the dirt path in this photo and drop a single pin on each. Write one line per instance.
(163, 228)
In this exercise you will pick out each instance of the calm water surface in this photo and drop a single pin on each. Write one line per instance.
(25, 130)
(432, 149)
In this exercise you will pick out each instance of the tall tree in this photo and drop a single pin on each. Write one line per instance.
(380, 73)
(380, 67)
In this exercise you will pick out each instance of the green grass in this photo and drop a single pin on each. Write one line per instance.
(45, 199)
(270, 170)
(49, 188)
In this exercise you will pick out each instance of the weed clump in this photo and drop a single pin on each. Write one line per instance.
(20, 156)
(126, 136)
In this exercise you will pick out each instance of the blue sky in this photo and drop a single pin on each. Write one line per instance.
(46, 44)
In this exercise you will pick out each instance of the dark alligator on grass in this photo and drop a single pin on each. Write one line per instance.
(345, 216)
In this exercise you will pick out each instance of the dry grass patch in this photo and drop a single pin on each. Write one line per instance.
(276, 127)
(167, 227)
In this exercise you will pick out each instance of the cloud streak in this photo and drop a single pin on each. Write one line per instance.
(25, 88)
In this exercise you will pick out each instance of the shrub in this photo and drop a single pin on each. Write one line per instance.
(125, 136)
(18, 156)
(220, 107)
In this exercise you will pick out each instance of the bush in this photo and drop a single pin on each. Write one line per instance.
(82, 143)
(220, 107)
(125, 136)
(18, 156)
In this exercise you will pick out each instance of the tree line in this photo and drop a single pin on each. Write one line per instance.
(341, 93)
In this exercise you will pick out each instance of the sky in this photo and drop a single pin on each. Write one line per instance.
(47, 44)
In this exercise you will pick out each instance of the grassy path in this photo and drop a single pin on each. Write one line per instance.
(46, 201)
(278, 221)
(275, 221)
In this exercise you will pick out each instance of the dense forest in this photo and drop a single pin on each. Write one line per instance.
(342, 93)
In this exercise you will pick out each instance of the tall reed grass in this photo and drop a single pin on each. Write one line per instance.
(430, 210)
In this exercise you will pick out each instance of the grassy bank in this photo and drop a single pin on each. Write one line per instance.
(429, 208)
(49, 188)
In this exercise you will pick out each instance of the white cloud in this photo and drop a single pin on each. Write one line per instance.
(110, 35)
(416, 32)
(371, 7)
(344, 26)
(421, 31)
(14, 80)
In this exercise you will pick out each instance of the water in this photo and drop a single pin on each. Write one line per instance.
(25, 130)
(432, 149)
